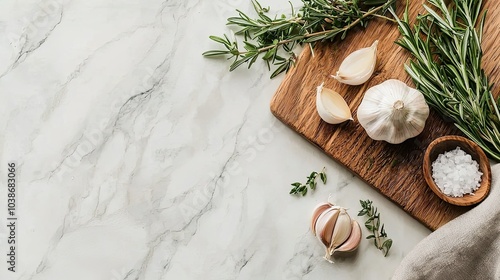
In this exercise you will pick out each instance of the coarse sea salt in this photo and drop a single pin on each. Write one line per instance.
(456, 173)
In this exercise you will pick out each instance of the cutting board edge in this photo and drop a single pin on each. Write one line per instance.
(275, 114)
(296, 90)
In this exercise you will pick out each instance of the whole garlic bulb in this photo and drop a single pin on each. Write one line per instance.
(335, 229)
(393, 112)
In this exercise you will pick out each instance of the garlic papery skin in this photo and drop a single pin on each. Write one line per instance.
(331, 106)
(341, 231)
(352, 243)
(335, 229)
(393, 112)
(326, 224)
(358, 67)
(317, 212)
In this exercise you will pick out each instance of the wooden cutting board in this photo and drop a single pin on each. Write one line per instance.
(394, 170)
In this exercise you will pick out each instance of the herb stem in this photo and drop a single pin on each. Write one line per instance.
(446, 45)
(308, 35)
(384, 17)
(373, 225)
(375, 232)
(273, 39)
(299, 188)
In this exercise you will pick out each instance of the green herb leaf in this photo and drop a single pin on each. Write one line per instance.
(215, 53)
(387, 246)
(446, 46)
(323, 177)
(301, 189)
(372, 224)
(304, 192)
(362, 212)
(318, 20)
(220, 40)
(382, 232)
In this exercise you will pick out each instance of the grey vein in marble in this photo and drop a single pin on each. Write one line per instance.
(140, 159)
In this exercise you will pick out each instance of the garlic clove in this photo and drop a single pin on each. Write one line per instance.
(331, 106)
(325, 226)
(317, 212)
(358, 66)
(341, 231)
(353, 241)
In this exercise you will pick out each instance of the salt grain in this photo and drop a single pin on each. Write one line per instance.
(456, 173)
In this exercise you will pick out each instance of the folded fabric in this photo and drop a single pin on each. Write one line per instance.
(466, 248)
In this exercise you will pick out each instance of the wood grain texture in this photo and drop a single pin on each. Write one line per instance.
(394, 170)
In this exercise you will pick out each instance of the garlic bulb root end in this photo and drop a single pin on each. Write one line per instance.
(328, 258)
(399, 105)
(393, 112)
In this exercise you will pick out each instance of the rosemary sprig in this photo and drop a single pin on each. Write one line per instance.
(446, 45)
(299, 188)
(274, 39)
(378, 235)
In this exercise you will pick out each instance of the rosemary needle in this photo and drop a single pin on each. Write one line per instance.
(446, 46)
(274, 39)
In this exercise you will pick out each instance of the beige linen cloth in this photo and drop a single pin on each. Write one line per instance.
(466, 248)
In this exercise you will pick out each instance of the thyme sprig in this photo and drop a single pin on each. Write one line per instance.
(378, 235)
(299, 188)
(274, 39)
(446, 46)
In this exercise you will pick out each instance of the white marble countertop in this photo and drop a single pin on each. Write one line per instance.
(137, 158)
